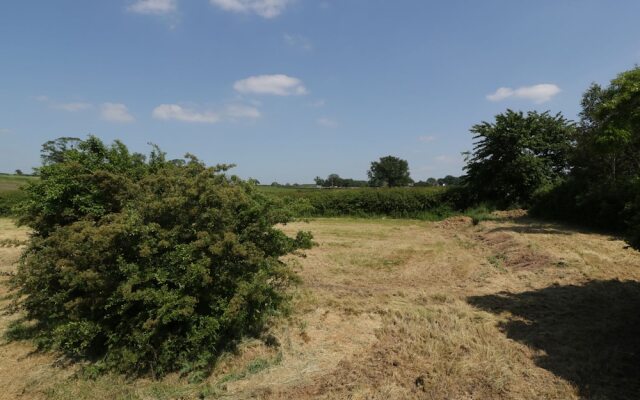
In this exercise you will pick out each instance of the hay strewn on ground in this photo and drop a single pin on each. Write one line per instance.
(397, 309)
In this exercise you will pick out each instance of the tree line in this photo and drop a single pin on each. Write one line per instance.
(388, 171)
(585, 171)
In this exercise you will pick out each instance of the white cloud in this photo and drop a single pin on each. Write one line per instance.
(540, 93)
(236, 111)
(42, 98)
(154, 7)
(263, 8)
(116, 112)
(174, 111)
(426, 139)
(5, 131)
(71, 107)
(298, 41)
(231, 112)
(327, 122)
(318, 103)
(279, 85)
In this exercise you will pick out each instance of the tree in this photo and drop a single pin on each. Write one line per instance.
(389, 171)
(19, 172)
(603, 188)
(449, 180)
(145, 265)
(517, 155)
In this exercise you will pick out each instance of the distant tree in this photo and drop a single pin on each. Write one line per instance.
(517, 155)
(333, 180)
(19, 172)
(275, 184)
(389, 171)
(449, 180)
(432, 182)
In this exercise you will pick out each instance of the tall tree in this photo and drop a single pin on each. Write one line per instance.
(389, 171)
(517, 155)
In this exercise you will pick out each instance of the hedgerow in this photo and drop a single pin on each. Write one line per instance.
(144, 265)
(393, 202)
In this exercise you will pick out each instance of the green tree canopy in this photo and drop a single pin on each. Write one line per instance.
(517, 155)
(389, 171)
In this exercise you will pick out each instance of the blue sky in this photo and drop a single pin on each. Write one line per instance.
(292, 89)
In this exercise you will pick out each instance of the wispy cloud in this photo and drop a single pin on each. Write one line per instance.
(540, 93)
(154, 7)
(448, 159)
(5, 131)
(318, 103)
(279, 85)
(238, 111)
(327, 122)
(298, 41)
(179, 113)
(116, 112)
(263, 8)
(71, 107)
(426, 139)
(232, 112)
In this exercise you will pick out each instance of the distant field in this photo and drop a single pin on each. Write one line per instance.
(406, 309)
(9, 191)
(13, 182)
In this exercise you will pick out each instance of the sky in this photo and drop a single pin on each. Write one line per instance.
(293, 89)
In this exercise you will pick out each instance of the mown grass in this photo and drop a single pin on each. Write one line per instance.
(400, 308)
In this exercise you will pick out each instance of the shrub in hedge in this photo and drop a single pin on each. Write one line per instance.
(394, 202)
(148, 265)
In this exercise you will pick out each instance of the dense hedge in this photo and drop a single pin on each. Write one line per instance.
(611, 207)
(393, 202)
(148, 265)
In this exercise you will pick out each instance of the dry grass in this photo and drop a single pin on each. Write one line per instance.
(397, 309)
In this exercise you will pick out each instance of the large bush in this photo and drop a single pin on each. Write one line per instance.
(148, 265)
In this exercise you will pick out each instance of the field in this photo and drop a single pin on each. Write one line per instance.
(395, 309)
(13, 182)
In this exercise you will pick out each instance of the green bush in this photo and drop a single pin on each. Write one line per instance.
(147, 265)
(9, 200)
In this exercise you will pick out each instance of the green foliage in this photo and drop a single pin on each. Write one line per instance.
(389, 171)
(604, 186)
(147, 265)
(517, 155)
(422, 203)
(8, 201)
(334, 180)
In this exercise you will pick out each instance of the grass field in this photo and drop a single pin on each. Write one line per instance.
(399, 309)
(10, 183)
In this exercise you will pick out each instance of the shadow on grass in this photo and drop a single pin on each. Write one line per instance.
(590, 334)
